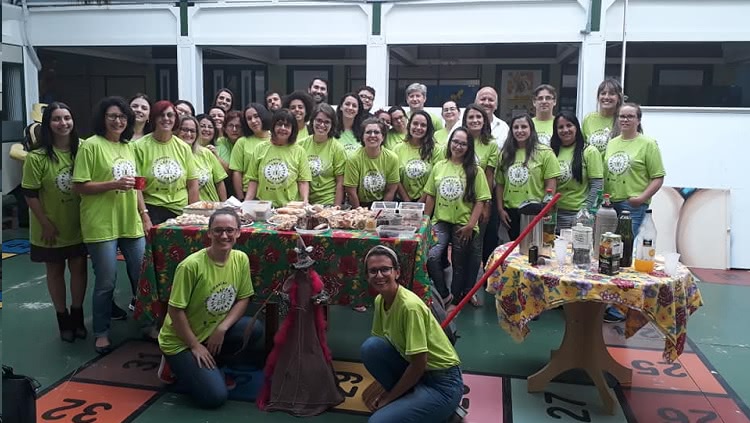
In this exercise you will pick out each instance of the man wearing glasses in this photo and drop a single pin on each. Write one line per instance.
(366, 93)
(206, 316)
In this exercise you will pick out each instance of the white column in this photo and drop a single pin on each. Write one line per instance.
(591, 64)
(31, 84)
(377, 69)
(190, 72)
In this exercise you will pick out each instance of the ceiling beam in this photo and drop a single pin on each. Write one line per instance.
(248, 53)
(103, 54)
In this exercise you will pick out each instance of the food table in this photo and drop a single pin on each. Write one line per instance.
(523, 291)
(338, 253)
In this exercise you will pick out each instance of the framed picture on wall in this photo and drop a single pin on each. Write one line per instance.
(517, 91)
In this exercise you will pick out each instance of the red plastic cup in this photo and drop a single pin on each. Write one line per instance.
(140, 183)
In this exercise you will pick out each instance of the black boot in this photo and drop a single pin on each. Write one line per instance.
(64, 325)
(76, 319)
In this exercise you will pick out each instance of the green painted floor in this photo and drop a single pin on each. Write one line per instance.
(31, 346)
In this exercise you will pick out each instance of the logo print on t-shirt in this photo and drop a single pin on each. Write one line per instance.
(166, 170)
(203, 177)
(518, 174)
(415, 169)
(451, 188)
(122, 167)
(63, 180)
(221, 300)
(316, 165)
(374, 181)
(543, 138)
(599, 139)
(276, 171)
(566, 173)
(349, 149)
(619, 163)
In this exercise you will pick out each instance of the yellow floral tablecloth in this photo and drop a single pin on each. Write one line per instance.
(522, 292)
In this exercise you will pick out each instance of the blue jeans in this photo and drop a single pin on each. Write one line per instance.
(104, 260)
(636, 213)
(433, 399)
(207, 387)
(465, 259)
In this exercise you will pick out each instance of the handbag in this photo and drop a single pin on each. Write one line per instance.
(19, 397)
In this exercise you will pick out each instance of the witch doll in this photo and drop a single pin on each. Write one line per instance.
(299, 375)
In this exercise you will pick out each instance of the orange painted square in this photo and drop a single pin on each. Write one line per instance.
(728, 410)
(77, 402)
(651, 371)
(651, 407)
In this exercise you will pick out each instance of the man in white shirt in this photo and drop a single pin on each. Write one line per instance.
(487, 98)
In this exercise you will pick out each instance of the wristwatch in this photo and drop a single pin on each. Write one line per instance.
(142, 212)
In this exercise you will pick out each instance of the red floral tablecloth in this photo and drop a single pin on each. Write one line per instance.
(338, 254)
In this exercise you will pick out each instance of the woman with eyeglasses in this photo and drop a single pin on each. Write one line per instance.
(408, 354)
(456, 191)
(113, 214)
(451, 115)
(326, 157)
(256, 121)
(55, 223)
(545, 100)
(527, 169)
(600, 126)
(633, 168)
(398, 132)
(206, 323)
(168, 166)
(300, 104)
(349, 116)
(278, 171)
(371, 173)
(416, 155)
(211, 173)
(141, 106)
(581, 170)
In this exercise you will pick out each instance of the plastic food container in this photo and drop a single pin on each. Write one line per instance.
(395, 231)
(384, 205)
(202, 208)
(258, 210)
(411, 213)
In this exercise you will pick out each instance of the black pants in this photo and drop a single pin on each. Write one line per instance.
(515, 223)
(159, 214)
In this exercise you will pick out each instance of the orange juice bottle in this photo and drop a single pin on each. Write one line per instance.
(645, 254)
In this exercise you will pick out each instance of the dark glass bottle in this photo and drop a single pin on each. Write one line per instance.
(625, 230)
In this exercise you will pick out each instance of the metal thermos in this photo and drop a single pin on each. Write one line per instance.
(536, 237)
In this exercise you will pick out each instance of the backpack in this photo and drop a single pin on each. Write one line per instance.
(440, 314)
(19, 397)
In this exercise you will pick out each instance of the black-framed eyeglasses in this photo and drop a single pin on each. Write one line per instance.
(385, 270)
(188, 130)
(321, 122)
(627, 117)
(229, 231)
(459, 144)
(114, 116)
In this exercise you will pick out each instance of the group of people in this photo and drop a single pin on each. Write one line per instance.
(470, 168)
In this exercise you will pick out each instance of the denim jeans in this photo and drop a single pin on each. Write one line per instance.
(636, 213)
(433, 399)
(207, 387)
(466, 260)
(104, 260)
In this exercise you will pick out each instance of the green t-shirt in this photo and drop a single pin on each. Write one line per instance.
(486, 154)
(111, 214)
(447, 184)
(224, 148)
(574, 193)
(327, 161)
(413, 170)
(630, 166)
(240, 160)
(437, 121)
(410, 327)
(441, 136)
(302, 133)
(393, 139)
(60, 204)
(371, 176)
(210, 173)
(206, 291)
(349, 143)
(596, 130)
(526, 183)
(167, 167)
(278, 169)
(543, 130)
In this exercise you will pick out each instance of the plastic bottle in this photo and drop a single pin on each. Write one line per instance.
(582, 246)
(585, 218)
(549, 224)
(625, 230)
(645, 253)
(606, 220)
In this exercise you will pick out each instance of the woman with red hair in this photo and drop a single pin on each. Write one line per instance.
(168, 165)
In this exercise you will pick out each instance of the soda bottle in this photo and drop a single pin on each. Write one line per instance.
(645, 253)
(606, 220)
(549, 224)
(625, 230)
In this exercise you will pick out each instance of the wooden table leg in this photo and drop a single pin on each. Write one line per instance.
(583, 347)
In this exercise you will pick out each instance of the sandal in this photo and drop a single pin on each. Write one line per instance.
(360, 308)
(447, 300)
(103, 350)
(475, 301)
